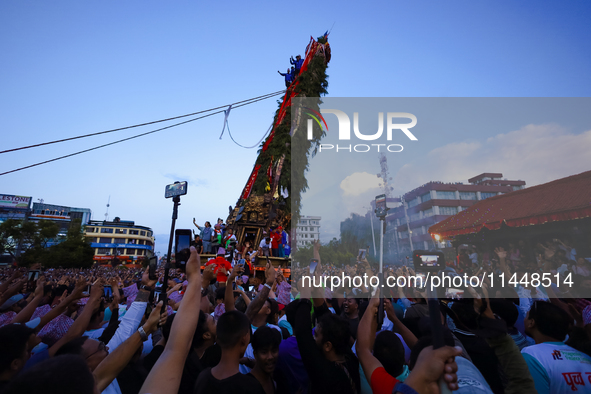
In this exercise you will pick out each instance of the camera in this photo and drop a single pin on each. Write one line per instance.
(428, 261)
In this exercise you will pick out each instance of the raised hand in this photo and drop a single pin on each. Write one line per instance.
(500, 251)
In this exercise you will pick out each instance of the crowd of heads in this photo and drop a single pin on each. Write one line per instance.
(223, 327)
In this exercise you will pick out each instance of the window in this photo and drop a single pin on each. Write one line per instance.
(414, 202)
(428, 212)
(149, 243)
(467, 196)
(445, 195)
(140, 252)
(143, 233)
(120, 231)
(106, 230)
(448, 210)
(403, 234)
(142, 242)
(105, 240)
(517, 188)
(133, 232)
(90, 229)
(487, 195)
(426, 197)
(103, 251)
(119, 240)
(149, 233)
(415, 216)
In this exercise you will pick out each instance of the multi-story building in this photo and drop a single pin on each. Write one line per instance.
(14, 207)
(120, 239)
(435, 201)
(308, 229)
(59, 214)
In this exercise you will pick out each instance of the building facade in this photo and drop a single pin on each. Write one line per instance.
(308, 230)
(435, 201)
(120, 239)
(59, 214)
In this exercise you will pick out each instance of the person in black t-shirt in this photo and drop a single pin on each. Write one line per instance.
(265, 346)
(233, 336)
(351, 313)
(198, 244)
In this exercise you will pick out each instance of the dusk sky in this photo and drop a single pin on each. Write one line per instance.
(72, 68)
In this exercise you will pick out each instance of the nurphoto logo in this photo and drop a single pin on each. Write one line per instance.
(345, 130)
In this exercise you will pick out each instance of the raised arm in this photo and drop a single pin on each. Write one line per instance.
(407, 335)
(366, 333)
(12, 290)
(118, 359)
(166, 375)
(4, 286)
(81, 323)
(255, 306)
(61, 307)
(229, 294)
(25, 314)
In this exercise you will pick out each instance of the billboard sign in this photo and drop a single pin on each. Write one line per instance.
(8, 201)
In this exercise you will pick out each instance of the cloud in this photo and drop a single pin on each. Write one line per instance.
(359, 183)
(181, 177)
(535, 153)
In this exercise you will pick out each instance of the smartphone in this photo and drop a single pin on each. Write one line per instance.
(251, 288)
(87, 291)
(313, 265)
(233, 285)
(33, 277)
(428, 261)
(176, 189)
(181, 248)
(362, 254)
(381, 209)
(453, 293)
(108, 292)
(156, 297)
(152, 267)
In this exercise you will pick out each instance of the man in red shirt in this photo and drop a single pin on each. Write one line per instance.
(275, 241)
(222, 267)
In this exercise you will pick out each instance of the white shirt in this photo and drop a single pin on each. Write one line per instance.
(127, 328)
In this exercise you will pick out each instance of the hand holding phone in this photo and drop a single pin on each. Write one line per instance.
(313, 266)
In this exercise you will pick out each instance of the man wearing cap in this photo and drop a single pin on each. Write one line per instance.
(297, 64)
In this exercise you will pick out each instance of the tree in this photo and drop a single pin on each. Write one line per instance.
(74, 252)
(32, 238)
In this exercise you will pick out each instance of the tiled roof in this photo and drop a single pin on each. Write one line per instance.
(564, 199)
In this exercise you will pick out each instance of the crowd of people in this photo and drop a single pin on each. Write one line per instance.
(219, 239)
(226, 329)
